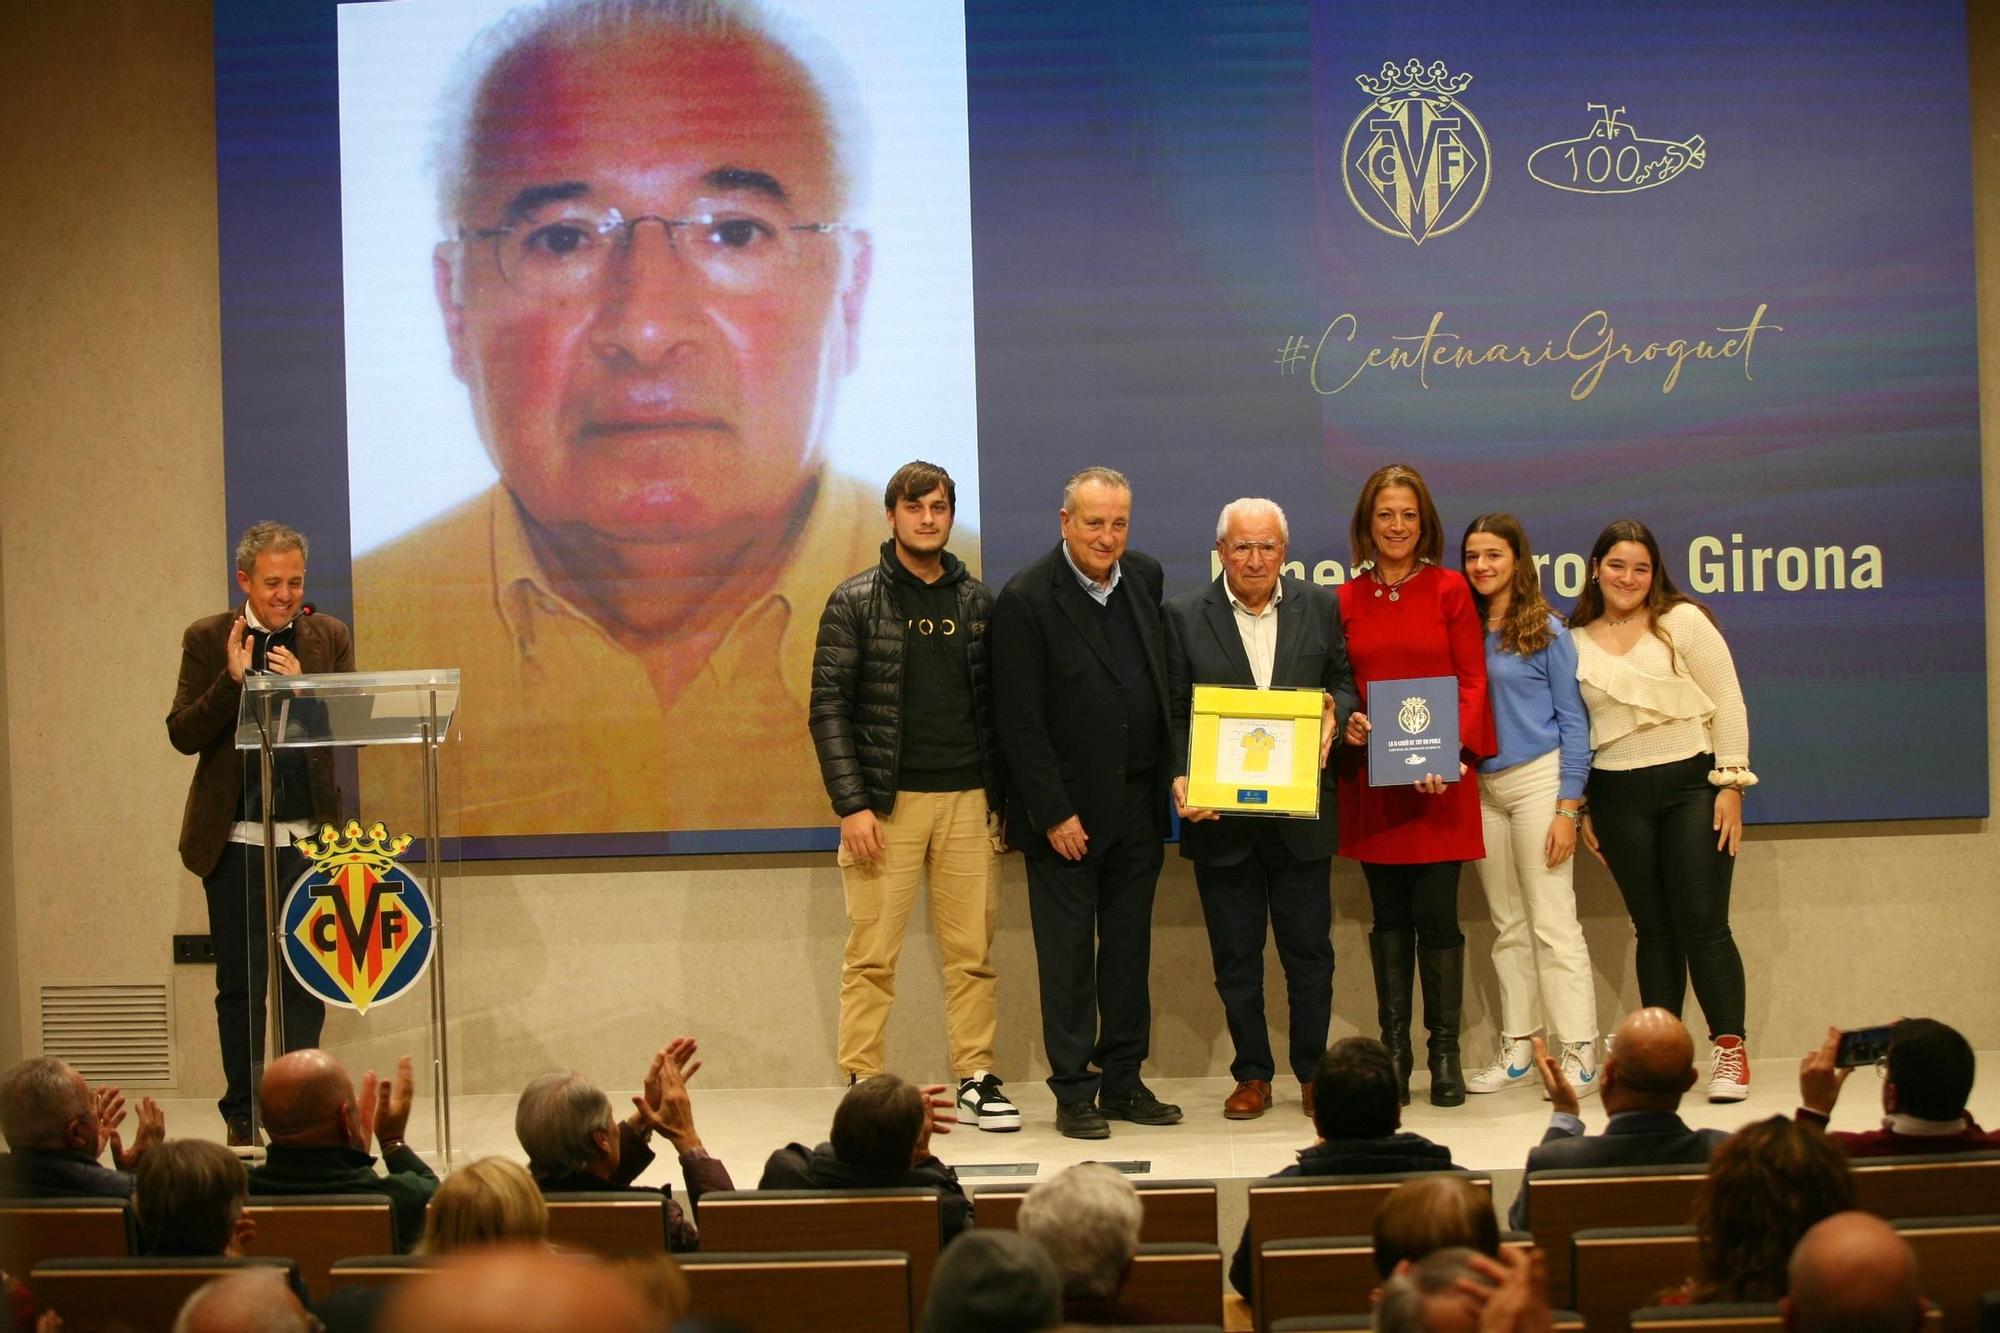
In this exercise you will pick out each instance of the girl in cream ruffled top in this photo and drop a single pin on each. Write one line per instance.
(1656, 705)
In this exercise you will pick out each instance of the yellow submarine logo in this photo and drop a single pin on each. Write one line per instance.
(1613, 159)
(1415, 160)
(358, 929)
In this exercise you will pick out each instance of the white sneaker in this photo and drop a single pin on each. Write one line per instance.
(1728, 1070)
(981, 1101)
(1513, 1067)
(1579, 1066)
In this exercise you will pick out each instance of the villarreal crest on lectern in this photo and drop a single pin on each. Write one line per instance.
(358, 929)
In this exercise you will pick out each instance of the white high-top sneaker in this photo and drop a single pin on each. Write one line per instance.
(1579, 1066)
(1513, 1067)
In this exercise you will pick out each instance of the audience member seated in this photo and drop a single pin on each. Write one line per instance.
(319, 1129)
(517, 1290)
(189, 1195)
(1357, 1109)
(1853, 1274)
(1648, 1065)
(993, 1282)
(881, 1138)
(258, 1299)
(575, 1145)
(1766, 1187)
(1086, 1219)
(1443, 1211)
(1457, 1290)
(1926, 1082)
(488, 1202)
(58, 1126)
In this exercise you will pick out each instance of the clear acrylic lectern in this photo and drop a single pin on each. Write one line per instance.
(345, 711)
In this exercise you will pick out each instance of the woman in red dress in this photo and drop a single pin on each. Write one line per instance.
(1408, 616)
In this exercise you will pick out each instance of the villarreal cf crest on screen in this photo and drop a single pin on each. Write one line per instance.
(358, 929)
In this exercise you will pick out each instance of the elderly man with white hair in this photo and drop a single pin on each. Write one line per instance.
(1087, 1218)
(58, 1126)
(1256, 627)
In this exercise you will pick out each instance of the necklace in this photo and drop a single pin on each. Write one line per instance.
(1390, 588)
(1614, 624)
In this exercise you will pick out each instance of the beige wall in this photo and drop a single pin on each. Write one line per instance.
(110, 517)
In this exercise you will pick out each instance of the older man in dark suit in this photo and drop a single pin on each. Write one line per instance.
(1080, 693)
(1648, 1066)
(222, 830)
(1255, 627)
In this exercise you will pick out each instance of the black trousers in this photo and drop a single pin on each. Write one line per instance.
(235, 891)
(1422, 897)
(1093, 924)
(1656, 827)
(1296, 898)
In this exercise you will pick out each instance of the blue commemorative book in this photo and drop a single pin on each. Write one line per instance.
(1415, 730)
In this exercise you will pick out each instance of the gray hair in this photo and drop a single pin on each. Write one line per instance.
(1251, 507)
(1401, 1309)
(38, 1100)
(480, 73)
(257, 1301)
(267, 536)
(555, 1119)
(1103, 476)
(1087, 1218)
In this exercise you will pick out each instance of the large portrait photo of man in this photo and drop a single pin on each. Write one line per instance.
(612, 436)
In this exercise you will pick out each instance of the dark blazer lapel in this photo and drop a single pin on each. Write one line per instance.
(1221, 620)
(1081, 610)
(1145, 604)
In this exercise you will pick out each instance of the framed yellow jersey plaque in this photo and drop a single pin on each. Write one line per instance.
(1255, 752)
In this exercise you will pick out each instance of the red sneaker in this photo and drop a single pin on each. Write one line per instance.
(1728, 1070)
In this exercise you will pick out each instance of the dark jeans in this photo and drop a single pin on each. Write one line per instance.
(235, 891)
(1296, 897)
(1656, 827)
(1093, 924)
(1423, 898)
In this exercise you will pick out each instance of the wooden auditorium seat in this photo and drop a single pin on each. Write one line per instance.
(1622, 1269)
(32, 1230)
(1176, 1283)
(377, 1270)
(317, 1229)
(1960, 1259)
(129, 1293)
(1943, 1185)
(1297, 1207)
(609, 1221)
(1565, 1201)
(1176, 1211)
(1315, 1276)
(832, 1291)
(763, 1221)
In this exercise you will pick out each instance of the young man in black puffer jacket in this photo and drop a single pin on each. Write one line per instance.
(881, 1140)
(1357, 1109)
(902, 718)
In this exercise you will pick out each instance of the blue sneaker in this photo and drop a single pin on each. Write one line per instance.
(1579, 1066)
(1512, 1068)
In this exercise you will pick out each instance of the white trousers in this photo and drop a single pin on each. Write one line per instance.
(1538, 948)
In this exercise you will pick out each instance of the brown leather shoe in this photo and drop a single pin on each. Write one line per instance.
(1251, 1099)
(1306, 1096)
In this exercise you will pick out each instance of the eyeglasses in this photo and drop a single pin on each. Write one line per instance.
(1243, 550)
(736, 249)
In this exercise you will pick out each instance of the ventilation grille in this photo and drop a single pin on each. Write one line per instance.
(118, 1032)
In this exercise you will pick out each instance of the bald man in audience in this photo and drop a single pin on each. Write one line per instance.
(58, 1126)
(320, 1128)
(255, 1300)
(517, 1290)
(1649, 1064)
(1853, 1274)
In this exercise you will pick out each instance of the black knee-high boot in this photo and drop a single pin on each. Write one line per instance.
(1443, 974)
(1393, 953)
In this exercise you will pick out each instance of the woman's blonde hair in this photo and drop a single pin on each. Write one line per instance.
(487, 1202)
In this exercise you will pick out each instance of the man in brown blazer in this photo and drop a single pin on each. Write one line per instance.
(222, 831)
